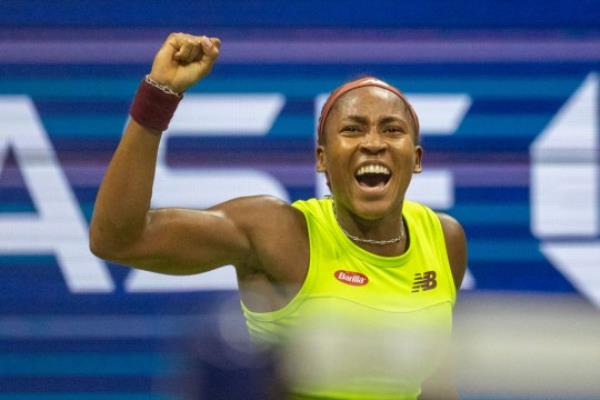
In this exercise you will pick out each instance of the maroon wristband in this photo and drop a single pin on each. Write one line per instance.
(153, 108)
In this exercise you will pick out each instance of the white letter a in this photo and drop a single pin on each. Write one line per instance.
(58, 227)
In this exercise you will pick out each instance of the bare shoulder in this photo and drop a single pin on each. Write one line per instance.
(451, 226)
(277, 233)
(456, 245)
(260, 212)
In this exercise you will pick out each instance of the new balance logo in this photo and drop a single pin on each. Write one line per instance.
(424, 281)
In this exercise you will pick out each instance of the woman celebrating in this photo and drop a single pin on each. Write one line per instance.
(365, 260)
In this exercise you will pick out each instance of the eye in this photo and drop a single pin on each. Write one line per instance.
(350, 129)
(394, 130)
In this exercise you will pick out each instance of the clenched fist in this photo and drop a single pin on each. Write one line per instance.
(183, 60)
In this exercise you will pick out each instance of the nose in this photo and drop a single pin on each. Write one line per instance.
(373, 142)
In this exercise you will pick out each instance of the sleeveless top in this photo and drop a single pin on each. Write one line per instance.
(364, 326)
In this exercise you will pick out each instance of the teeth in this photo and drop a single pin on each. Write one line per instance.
(373, 169)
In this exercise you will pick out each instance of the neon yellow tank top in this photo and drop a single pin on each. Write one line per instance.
(364, 326)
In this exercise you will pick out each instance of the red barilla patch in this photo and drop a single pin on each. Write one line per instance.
(351, 277)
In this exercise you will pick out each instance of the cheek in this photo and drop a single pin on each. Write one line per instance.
(336, 155)
(405, 160)
(337, 170)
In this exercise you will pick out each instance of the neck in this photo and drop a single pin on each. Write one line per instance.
(385, 235)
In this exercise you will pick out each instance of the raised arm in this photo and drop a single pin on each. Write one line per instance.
(173, 241)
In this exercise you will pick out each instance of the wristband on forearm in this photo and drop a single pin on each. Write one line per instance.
(154, 105)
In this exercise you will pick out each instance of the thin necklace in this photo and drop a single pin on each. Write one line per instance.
(368, 241)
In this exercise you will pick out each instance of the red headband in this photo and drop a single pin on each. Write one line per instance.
(355, 84)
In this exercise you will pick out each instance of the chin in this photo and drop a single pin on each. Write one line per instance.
(372, 209)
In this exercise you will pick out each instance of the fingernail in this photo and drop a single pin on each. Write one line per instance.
(206, 41)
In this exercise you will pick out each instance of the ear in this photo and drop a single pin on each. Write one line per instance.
(321, 159)
(418, 158)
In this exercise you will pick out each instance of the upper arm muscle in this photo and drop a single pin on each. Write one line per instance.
(184, 241)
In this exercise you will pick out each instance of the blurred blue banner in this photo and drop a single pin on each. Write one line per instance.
(509, 108)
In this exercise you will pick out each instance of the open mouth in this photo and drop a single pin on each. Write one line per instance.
(373, 176)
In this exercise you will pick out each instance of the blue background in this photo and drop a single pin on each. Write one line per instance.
(54, 342)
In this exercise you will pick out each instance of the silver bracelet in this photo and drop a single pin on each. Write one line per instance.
(163, 88)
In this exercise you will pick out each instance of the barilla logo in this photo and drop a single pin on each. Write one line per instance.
(351, 278)
(424, 281)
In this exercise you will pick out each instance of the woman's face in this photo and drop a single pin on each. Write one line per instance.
(370, 152)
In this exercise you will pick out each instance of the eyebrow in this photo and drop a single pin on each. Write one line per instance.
(358, 118)
(385, 120)
(390, 119)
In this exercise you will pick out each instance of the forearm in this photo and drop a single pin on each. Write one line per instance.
(124, 196)
(121, 217)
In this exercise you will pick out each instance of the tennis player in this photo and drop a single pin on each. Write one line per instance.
(365, 257)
